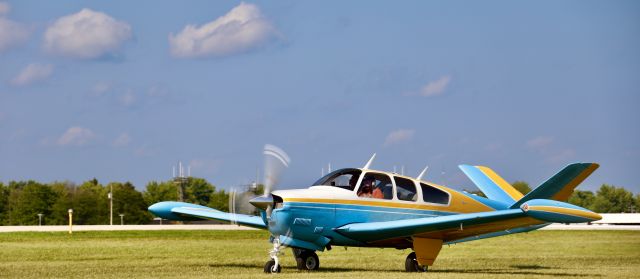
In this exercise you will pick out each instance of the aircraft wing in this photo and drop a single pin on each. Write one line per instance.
(448, 228)
(181, 211)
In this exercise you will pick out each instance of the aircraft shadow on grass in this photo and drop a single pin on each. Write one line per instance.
(516, 270)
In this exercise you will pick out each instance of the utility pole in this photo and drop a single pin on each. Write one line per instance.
(111, 205)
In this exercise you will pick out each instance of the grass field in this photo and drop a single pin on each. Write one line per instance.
(241, 254)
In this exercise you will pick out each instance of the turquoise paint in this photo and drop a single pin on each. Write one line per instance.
(554, 184)
(486, 185)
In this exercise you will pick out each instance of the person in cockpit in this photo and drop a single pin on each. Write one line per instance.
(366, 188)
(377, 193)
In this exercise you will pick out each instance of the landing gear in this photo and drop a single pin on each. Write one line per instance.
(411, 264)
(306, 259)
(273, 265)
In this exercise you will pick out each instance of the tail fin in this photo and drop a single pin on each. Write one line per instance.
(560, 186)
(491, 184)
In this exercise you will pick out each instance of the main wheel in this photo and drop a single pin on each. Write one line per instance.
(271, 267)
(411, 264)
(307, 260)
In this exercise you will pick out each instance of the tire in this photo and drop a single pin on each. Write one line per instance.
(411, 264)
(307, 260)
(312, 262)
(270, 267)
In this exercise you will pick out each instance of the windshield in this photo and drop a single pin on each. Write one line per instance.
(343, 178)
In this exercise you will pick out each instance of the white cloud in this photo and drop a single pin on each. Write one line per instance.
(435, 87)
(241, 29)
(100, 88)
(128, 98)
(122, 140)
(76, 136)
(143, 151)
(398, 136)
(11, 33)
(87, 34)
(33, 73)
(540, 142)
(4, 8)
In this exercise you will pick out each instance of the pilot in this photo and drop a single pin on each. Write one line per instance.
(366, 188)
(377, 193)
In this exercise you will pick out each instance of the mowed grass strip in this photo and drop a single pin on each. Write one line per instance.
(242, 254)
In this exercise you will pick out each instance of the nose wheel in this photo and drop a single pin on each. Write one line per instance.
(273, 265)
(306, 259)
(411, 264)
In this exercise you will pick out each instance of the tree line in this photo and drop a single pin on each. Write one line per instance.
(607, 199)
(22, 201)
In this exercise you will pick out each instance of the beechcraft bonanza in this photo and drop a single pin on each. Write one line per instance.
(362, 207)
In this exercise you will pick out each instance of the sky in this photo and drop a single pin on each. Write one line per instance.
(123, 91)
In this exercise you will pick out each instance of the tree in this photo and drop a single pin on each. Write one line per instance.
(611, 199)
(582, 198)
(198, 191)
(4, 197)
(128, 201)
(220, 201)
(90, 204)
(59, 209)
(522, 187)
(160, 191)
(28, 200)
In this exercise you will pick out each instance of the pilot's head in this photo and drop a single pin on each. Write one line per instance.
(367, 184)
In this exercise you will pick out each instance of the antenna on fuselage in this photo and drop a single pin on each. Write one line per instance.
(366, 166)
(422, 173)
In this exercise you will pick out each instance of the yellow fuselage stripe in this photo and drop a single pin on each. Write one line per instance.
(569, 211)
(391, 204)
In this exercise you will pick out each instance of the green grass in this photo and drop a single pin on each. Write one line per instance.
(241, 254)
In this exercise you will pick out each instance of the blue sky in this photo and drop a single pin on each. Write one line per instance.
(122, 90)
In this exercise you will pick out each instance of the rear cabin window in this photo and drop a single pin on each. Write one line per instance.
(406, 189)
(434, 195)
(343, 178)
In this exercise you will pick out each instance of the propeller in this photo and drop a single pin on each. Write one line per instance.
(275, 161)
(245, 201)
(239, 201)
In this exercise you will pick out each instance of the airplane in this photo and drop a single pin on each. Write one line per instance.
(363, 207)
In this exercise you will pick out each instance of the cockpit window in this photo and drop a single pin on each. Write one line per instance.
(376, 185)
(343, 178)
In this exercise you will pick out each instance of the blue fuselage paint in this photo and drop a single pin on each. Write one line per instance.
(325, 216)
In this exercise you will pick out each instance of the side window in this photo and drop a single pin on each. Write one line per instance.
(377, 186)
(406, 189)
(434, 195)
